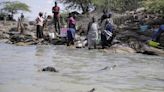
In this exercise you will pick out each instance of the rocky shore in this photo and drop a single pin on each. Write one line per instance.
(128, 37)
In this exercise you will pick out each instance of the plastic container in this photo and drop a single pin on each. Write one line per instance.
(153, 44)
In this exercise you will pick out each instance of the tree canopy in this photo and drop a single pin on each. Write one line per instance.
(156, 6)
(118, 5)
(14, 6)
(80, 4)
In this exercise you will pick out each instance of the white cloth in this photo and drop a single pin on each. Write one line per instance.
(108, 34)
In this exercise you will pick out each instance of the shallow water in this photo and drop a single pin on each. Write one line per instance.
(79, 70)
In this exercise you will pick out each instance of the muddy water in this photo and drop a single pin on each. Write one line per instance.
(79, 70)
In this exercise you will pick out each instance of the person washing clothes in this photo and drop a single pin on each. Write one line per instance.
(107, 33)
(92, 33)
(71, 30)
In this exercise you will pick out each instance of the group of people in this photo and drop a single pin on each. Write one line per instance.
(102, 33)
(40, 21)
(93, 32)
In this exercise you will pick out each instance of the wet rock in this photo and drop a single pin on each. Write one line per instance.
(107, 67)
(58, 41)
(121, 49)
(156, 51)
(14, 29)
(31, 34)
(32, 23)
(4, 40)
(149, 53)
(4, 35)
(92, 90)
(49, 69)
(16, 38)
(21, 44)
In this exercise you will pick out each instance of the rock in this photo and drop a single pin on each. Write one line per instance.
(32, 23)
(31, 34)
(49, 69)
(21, 44)
(149, 53)
(4, 40)
(92, 90)
(25, 25)
(8, 42)
(120, 49)
(59, 41)
(107, 67)
(14, 29)
(157, 51)
(4, 35)
(124, 50)
(16, 38)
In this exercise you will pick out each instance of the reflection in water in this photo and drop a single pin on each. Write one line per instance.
(40, 50)
(78, 70)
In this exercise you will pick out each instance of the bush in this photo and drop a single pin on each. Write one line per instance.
(154, 6)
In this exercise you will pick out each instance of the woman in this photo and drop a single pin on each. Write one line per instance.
(92, 33)
(71, 30)
(39, 28)
(107, 33)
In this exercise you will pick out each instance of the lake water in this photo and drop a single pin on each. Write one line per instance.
(79, 70)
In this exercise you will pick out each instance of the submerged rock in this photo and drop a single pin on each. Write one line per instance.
(49, 69)
(149, 53)
(92, 90)
(58, 41)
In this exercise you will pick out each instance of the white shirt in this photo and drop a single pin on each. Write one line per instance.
(40, 21)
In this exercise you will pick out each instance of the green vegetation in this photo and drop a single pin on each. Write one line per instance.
(155, 6)
(13, 7)
(117, 5)
(80, 4)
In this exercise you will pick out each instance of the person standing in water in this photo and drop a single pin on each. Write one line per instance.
(157, 34)
(92, 33)
(56, 17)
(71, 30)
(39, 28)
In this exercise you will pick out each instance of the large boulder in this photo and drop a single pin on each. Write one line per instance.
(14, 29)
(58, 41)
(4, 35)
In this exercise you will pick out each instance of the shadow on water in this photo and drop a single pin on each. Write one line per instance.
(80, 70)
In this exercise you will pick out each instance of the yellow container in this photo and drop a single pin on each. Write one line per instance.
(153, 44)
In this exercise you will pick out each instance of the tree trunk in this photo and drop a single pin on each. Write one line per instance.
(83, 8)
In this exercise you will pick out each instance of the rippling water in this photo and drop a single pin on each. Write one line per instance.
(79, 70)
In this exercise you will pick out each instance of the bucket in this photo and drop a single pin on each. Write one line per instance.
(51, 35)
